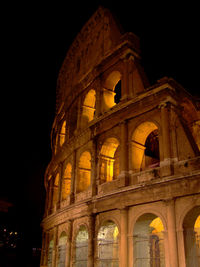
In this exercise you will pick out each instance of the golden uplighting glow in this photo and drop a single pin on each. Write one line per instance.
(55, 190)
(138, 143)
(88, 108)
(108, 92)
(57, 180)
(157, 225)
(62, 133)
(115, 233)
(84, 172)
(66, 186)
(108, 160)
(197, 223)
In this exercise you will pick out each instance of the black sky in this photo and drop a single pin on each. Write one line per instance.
(39, 40)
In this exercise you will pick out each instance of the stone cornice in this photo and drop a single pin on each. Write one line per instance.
(172, 187)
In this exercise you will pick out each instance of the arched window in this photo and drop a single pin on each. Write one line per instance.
(84, 172)
(81, 249)
(109, 160)
(148, 242)
(145, 146)
(66, 182)
(88, 108)
(107, 242)
(112, 90)
(55, 191)
(50, 253)
(191, 227)
(62, 244)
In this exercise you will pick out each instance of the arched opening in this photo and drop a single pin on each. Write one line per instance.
(81, 247)
(107, 244)
(148, 242)
(112, 90)
(63, 133)
(145, 147)
(66, 182)
(117, 91)
(84, 172)
(88, 108)
(191, 230)
(109, 160)
(55, 191)
(50, 254)
(62, 244)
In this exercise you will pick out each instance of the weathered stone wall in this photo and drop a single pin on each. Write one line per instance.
(99, 57)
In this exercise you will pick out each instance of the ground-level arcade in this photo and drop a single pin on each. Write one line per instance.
(164, 233)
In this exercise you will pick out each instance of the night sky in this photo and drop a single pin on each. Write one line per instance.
(170, 44)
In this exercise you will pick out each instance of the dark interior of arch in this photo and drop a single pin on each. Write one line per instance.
(152, 146)
(117, 91)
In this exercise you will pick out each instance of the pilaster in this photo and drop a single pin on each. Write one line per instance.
(91, 222)
(72, 191)
(124, 247)
(172, 238)
(123, 177)
(165, 165)
(69, 248)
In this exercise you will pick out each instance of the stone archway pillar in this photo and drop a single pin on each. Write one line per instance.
(165, 125)
(68, 245)
(181, 248)
(124, 238)
(172, 239)
(73, 178)
(124, 155)
(54, 252)
(91, 221)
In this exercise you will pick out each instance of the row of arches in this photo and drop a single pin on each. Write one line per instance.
(148, 243)
(111, 95)
(145, 153)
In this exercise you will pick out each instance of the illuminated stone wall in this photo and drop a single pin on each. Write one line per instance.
(123, 184)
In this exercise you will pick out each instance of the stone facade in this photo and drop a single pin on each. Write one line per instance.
(123, 184)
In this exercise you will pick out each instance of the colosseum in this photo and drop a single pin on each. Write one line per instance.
(123, 184)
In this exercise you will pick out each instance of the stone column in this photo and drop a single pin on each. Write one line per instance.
(130, 250)
(94, 169)
(125, 79)
(79, 114)
(172, 239)
(134, 80)
(73, 247)
(55, 254)
(47, 199)
(181, 248)
(43, 251)
(124, 154)
(73, 177)
(68, 250)
(124, 238)
(50, 199)
(91, 221)
(166, 142)
(165, 130)
(60, 171)
(166, 249)
(98, 98)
